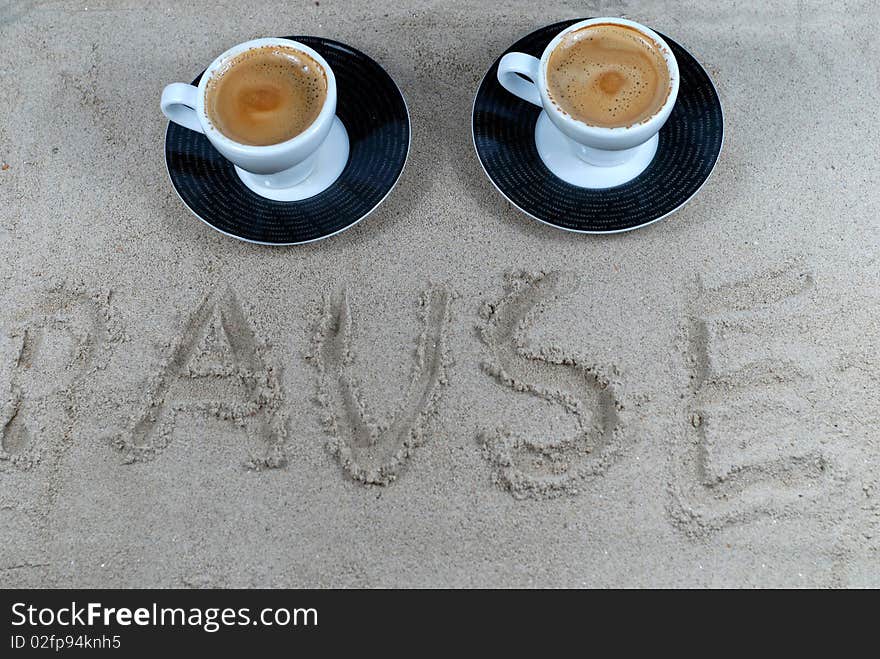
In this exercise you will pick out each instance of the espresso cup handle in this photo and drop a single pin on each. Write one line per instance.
(513, 64)
(179, 105)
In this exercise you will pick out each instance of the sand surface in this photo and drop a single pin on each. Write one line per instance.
(449, 394)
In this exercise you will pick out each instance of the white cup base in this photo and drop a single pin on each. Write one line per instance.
(560, 155)
(327, 164)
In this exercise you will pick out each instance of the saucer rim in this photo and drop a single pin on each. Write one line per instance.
(585, 231)
(338, 231)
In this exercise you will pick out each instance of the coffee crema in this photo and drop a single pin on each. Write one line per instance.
(266, 95)
(608, 75)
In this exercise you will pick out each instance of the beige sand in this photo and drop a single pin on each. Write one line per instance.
(490, 402)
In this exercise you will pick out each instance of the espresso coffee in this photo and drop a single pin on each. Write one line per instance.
(608, 75)
(266, 95)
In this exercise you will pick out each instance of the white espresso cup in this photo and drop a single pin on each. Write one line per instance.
(581, 154)
(286, 171)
